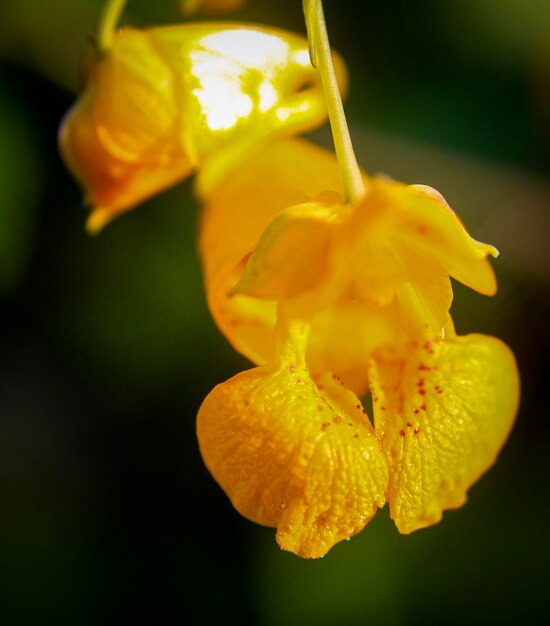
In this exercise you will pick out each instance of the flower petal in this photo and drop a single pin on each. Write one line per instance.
(425, 296)
(164, 102)
(290, 172)
(120, 140)
(442, 412)
(293, 453)
(291, 256)
(431, 225)
(417, 217)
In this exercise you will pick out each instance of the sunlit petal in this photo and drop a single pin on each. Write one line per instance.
(442, 411)
(290, 172)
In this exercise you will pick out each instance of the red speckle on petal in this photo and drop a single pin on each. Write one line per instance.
(402, 433)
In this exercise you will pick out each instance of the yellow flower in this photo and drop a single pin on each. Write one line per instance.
(370, 281)
(374, 273)
(161, 103)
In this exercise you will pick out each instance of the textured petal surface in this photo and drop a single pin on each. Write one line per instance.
(443, 409)
(295, 454)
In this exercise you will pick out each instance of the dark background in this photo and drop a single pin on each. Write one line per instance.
(107, 348)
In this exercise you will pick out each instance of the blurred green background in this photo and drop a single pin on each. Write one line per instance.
(108, 349)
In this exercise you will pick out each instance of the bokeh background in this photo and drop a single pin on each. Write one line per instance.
(107, 348)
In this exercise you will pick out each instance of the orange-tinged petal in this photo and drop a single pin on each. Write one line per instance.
(291, 256)
(294, 453)
(442, 410)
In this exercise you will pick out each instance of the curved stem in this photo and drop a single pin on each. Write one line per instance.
(108, 23)
(319, 48)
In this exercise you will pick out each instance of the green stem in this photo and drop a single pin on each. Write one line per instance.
(108, 23)
(321, 56)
